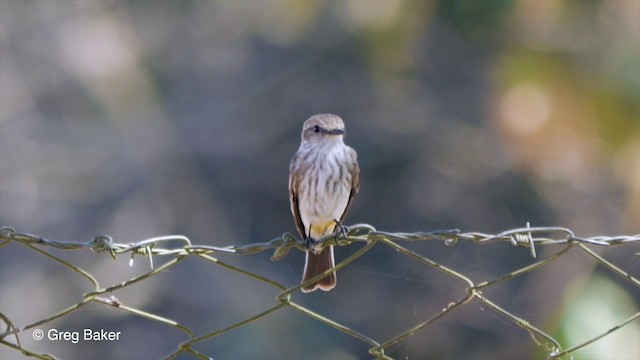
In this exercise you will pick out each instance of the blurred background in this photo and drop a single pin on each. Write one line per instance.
(144, 118)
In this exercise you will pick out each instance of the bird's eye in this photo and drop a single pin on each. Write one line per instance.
(316, 129)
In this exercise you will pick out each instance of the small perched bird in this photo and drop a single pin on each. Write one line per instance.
(323, 178)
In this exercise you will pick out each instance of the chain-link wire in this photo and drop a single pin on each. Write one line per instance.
(180, 247)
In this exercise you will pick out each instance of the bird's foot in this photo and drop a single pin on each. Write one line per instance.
(311, 244)
(342, 231)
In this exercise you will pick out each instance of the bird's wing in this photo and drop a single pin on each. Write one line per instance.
(355, 187)
(294, 179)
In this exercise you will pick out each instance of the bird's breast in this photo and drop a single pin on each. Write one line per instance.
(324, 191)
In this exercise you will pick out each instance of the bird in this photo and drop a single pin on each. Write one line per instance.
(324, 177)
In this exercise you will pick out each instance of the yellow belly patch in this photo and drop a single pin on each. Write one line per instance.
(320, 230)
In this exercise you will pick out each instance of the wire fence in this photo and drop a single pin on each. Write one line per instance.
(179, 248)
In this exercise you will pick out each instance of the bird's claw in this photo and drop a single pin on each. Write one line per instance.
(311, 244)
(342, 231)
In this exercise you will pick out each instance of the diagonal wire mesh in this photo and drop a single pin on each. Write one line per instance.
(178, 248)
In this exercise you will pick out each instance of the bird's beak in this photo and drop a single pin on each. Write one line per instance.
(335, 132)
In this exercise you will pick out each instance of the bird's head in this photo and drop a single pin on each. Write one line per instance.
(323, 129)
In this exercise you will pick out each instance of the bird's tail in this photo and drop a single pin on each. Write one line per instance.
(316, 264)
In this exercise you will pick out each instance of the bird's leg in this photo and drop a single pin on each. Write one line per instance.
(341, 230)
(311, 244)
